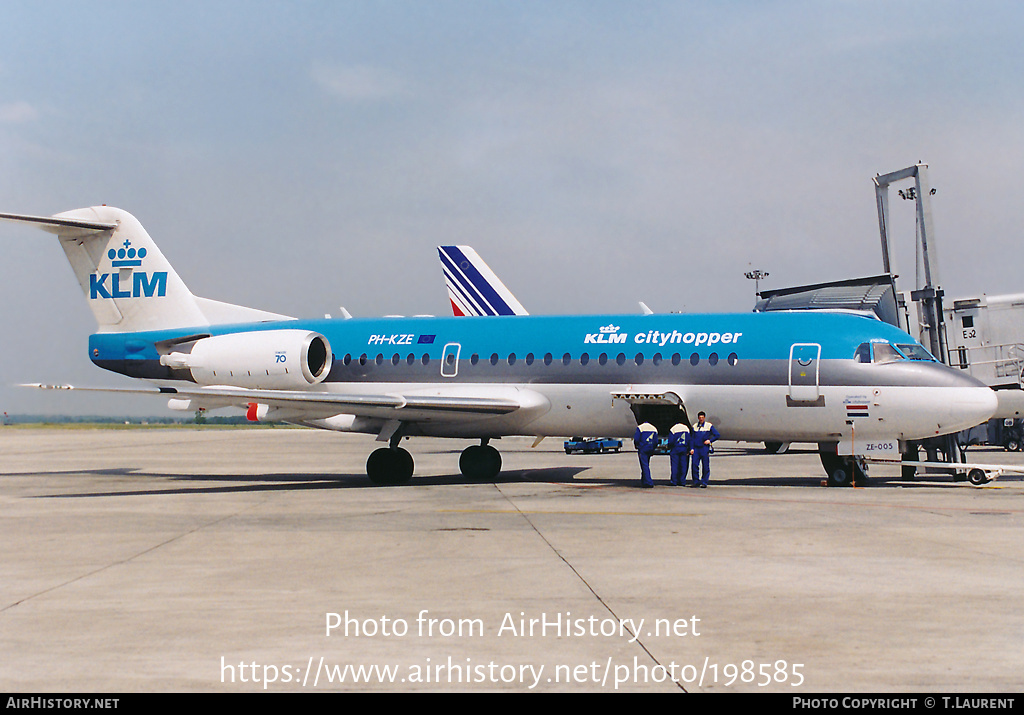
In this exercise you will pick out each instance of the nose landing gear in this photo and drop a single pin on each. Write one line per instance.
(843, 471)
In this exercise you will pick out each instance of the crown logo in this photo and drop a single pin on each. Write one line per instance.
(610, 329)
(126, 256)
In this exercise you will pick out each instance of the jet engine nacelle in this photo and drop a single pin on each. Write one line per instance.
(270, 359)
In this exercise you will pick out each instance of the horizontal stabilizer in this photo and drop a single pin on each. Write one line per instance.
(62, 226)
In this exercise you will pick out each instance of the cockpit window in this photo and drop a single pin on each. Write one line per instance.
(915, 352)
(884, 352)
(881, 351)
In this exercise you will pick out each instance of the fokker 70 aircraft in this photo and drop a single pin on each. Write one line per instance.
(840, 380)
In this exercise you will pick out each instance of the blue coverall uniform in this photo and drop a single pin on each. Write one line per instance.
(679, 453)
(702, 452)
(645, 439)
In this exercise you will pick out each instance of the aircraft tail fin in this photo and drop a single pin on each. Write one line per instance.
(127, 282)
(473, 288)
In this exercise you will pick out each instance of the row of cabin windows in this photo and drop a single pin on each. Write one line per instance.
(548, 359)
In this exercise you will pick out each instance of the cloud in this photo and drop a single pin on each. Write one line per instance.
(17, 113)
(358, 83)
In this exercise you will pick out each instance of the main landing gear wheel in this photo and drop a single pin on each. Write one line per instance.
(387, 466)
(480, 462)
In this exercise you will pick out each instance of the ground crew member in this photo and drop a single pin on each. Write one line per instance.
(645, 439)
(679, 453)
(704, 433)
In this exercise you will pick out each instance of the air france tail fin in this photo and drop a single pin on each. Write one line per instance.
(127, 282)
(473, 288)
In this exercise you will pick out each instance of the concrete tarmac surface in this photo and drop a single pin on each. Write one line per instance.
(222, 560)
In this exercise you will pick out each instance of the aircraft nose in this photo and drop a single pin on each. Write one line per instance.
(973, 405)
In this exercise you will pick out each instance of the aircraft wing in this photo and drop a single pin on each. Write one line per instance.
(408, 407)
(391, 406)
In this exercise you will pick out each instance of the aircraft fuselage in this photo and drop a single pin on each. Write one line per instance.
(759, 376)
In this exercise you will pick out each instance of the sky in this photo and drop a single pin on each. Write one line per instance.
(300, 156)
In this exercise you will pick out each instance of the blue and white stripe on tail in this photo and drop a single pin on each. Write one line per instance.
(473, 288)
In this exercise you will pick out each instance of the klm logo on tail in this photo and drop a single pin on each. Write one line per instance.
(143, 285)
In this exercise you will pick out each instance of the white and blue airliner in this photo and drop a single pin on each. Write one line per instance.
(836, 379)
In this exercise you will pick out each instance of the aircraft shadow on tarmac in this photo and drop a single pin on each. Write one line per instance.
(291, 481)
(274, 481)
